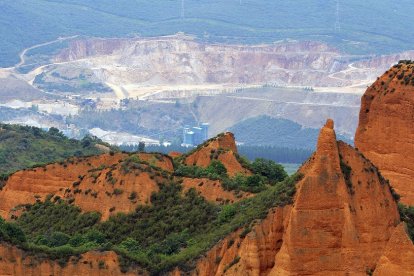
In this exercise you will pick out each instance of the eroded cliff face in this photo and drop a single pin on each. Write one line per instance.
(343, 215)
(344, 220)
(222, 148)
(107, 183)
(386, 128)
(15, 262)
(254, 253)
(213, 191)
(398, 256)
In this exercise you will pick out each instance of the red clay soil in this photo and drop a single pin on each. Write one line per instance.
(385, 134)
(175, 154)
(96, 183)
(213, 191)
(16, 262)
(224, 147)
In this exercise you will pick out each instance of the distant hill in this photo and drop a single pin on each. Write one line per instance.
(268, 131)
(23, 147)
(248, 21)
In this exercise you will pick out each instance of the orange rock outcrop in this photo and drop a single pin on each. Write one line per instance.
(107, 184)
(385, 133)
(213, 191)
(398, 256)
(222, 148)
(15, 262)
(254, 253)
(344, 221)
(102, 183)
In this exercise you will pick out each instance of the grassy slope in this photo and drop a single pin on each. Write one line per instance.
(378, 26)
(22, 147)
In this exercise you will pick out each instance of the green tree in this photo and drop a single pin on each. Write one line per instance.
(216, 167)
(141, 147)
(271, 170)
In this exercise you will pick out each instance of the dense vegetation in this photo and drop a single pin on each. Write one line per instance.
(23, 146)
(173, 231)
(362, 30)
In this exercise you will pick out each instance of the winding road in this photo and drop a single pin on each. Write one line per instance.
(23, 53)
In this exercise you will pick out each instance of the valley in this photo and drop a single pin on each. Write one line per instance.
(153, 87)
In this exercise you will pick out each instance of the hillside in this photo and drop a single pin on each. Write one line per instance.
(179, 230)
(252, 21)
(153, 211)
(24, 147)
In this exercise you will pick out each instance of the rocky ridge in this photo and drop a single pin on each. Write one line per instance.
(222, 148)
(343, 220)
(385, 132)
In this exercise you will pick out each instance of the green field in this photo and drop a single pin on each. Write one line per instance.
(366, 26)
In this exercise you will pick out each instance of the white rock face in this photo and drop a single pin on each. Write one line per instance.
(150, 63)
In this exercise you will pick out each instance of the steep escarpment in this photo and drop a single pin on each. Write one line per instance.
(222, 148)
(343, 216)
(385, 133)
(247, 254)
(16, 262)
(344, 220)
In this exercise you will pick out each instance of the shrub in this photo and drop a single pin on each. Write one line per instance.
(118, 191)
(133, 195)
(271, 170)
(101, 264)
(11, 232)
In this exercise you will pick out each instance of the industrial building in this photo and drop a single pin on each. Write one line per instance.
(193, 136)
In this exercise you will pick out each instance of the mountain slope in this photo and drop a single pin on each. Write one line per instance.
(252, 21)
(23, 147)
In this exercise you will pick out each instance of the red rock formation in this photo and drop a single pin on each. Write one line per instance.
(343, 215)
(175, 154)
(98, 183)
(256, 251)
(223, 148)
(385, 133)
(344, 221)
(105, 183)
(398, 256)
(213, 191)
(16, 262)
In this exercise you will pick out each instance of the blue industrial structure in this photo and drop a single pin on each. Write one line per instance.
(195, 135)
